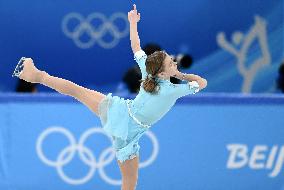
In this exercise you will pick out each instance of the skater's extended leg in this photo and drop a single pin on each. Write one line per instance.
(88, 97)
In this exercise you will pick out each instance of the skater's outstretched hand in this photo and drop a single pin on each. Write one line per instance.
(30, 73)
(133, 15)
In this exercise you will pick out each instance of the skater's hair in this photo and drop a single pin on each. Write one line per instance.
(154, 66)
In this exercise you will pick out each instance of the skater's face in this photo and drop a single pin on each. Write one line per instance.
(169, 67)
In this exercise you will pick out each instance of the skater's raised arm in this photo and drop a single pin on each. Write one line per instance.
(133, 18)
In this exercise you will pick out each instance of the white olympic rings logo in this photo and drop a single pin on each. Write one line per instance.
(95, 34)
(67, 154)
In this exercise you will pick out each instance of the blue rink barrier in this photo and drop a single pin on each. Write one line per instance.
(207, 141)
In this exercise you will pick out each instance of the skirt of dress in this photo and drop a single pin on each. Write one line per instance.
(114, 116)
(117, 123)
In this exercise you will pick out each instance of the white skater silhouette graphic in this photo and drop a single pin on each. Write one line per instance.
(258, 32)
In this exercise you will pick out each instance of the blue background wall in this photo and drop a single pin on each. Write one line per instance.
(34, 29)
(193, 142)
(202, 138)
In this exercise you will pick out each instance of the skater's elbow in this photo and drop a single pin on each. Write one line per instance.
(202, 83)
(135, 47)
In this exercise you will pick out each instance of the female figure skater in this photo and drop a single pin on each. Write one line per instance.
(127, 120)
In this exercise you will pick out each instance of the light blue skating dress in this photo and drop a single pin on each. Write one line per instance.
(127, 120)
